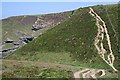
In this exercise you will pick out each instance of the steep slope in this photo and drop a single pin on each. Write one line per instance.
(19, 30)
(73, 41)
(74, 37)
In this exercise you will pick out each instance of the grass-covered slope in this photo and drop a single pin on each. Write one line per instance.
(71, 42)
(19, 26)
(11, 25)
(34, 69)
(27, 69)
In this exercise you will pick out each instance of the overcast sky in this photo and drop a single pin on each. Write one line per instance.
(33, 8)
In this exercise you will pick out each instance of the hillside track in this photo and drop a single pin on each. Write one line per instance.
(102, 29)
(89, 74)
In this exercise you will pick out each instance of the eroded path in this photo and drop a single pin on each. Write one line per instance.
(102, 29)
(89, 73)
(107, 56)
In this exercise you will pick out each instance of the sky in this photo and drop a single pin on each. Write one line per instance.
(34, 8)
(60, 0)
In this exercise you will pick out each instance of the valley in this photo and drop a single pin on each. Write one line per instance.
(78, 44)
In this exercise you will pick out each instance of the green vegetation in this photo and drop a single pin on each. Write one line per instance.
(71, 42)
(15, 27)
(34, 69)
(37, 73)
(15, 69)
(12, 25)
(59, 58)
(109, 14)
(74, 36)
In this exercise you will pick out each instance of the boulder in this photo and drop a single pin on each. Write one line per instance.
(15, 43)
(7, 51)
(26, 39)
(29, 38)
(8, 41)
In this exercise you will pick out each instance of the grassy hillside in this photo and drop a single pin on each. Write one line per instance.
(72, 40)
(35, 70)
(70, 43)
(109, 14)
(27, 69)
(12, 24)
(14, 27)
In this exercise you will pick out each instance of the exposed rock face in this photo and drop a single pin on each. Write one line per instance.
(7, 51)
(16, 43)
(29, 38)
(9, 41)
(26, 39)
(16, 31)
(22, 40)
(48, 20)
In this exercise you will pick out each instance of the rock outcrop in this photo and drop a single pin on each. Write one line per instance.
(5, 52)
(17, 30)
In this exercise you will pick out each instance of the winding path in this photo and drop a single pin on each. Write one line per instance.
(101, 34)
(89, 73)
(102, 29)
